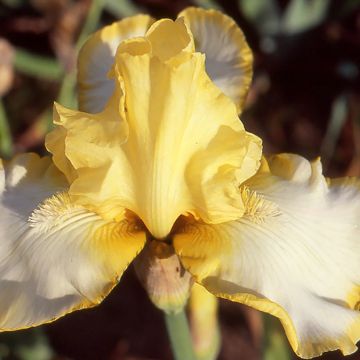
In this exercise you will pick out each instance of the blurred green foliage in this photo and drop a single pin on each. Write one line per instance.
(25, 345)
(275, 344)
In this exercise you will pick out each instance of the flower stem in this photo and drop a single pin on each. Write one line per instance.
(38, 66)
(6, 147)
(179, 335)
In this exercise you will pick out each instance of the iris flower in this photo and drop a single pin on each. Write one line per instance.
(156, 167)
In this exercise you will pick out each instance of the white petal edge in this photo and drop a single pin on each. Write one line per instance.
(96, 58)
(228, 57)
(300, 262)
(58, 258)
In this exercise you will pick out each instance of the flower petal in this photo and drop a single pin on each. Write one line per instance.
(168, 142)
(204, 323)
(295, 254)
(55, 257)
(228, 56)
(97, 56)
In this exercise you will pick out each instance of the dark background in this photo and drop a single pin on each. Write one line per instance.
(304, 99)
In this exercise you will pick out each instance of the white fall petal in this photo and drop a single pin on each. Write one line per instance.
(294, 254)
(55, 257)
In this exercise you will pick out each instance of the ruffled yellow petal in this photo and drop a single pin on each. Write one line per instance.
(294, 254)
(97, 56)
(55, 256)
(169, 39)
(167, 143)
(228, 56)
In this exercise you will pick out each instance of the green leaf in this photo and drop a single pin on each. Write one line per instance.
(208, 4)
(40, 350)
(264, 14)
(37, 66)
(6, 147)
(337, 120)
(302, 15)
(30, 344)
(276, 346)
(122, 8)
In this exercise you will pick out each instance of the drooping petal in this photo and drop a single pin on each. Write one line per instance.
(228, 56)
(168, 142)
(55, 257)
(295, 254)
(88, 146)
(97, 56)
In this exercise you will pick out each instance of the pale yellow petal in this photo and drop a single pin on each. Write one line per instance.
(97, 56)
(204, 323)
(55, 257)
(166, 47)
(228, 56)
(169, 142)
(56, 145)
(295, 254)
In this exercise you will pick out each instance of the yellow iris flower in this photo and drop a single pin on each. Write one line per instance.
(157, 166)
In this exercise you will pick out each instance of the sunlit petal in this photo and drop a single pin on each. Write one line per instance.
(97, 56)
(169, 142)
(55, 257)
(228, 56)
(295, 254)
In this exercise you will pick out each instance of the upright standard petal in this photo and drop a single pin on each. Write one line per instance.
(97, 56)
(168, 143)
(295, 254)
(55, 256)
(228, 56)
